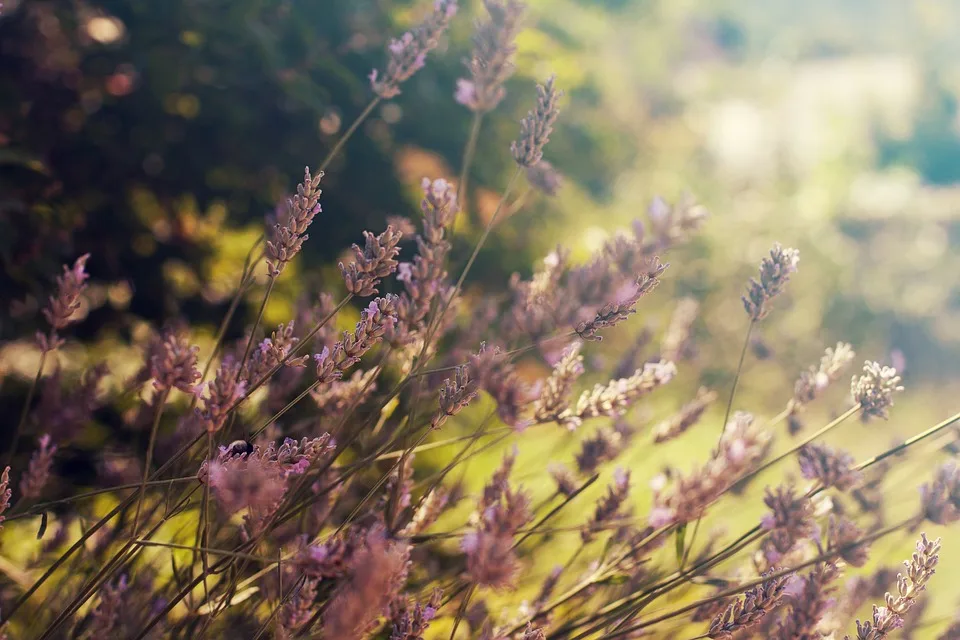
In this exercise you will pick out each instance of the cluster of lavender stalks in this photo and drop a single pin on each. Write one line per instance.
(275, 491)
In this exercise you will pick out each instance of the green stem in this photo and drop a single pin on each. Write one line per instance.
(161, 400)
(26, 410)
(468, 152)
(349, 132)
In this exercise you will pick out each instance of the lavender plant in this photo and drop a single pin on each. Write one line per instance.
(292, 501)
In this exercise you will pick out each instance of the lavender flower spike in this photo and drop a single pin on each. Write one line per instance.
(873, 390)
(748, 611)
(536, 127)
(290, 231)
(38, 473)
(5, 493)
(407, 55)
(61, 307)
(372, 263)
(775, 271)
(491, 63)
(919, 570)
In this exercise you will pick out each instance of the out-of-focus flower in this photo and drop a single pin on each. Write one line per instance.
(406, 55)
(491, 63)
(37, 475)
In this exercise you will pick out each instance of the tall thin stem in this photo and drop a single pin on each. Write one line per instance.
(26, 410)
(468, 152)
(726, 418)
(161, 400)
(820, 432)
(256, 325)
(349, 132)
(736, 377)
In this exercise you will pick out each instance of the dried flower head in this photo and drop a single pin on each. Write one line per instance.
(775, 271)
(533, 633)
(427, 512)
(407, 55)
(832, 468)
(289, 231)
(258, 480)
(873, 390)
(37, 474)
(747, 611)
(688, 416)
(175, 365)
(491, 560)
(536, 127)
(566, 481)
(491, 63)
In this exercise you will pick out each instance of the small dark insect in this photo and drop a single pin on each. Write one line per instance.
(238, 448)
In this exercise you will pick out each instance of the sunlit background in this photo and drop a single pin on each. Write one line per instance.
(158, 134)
